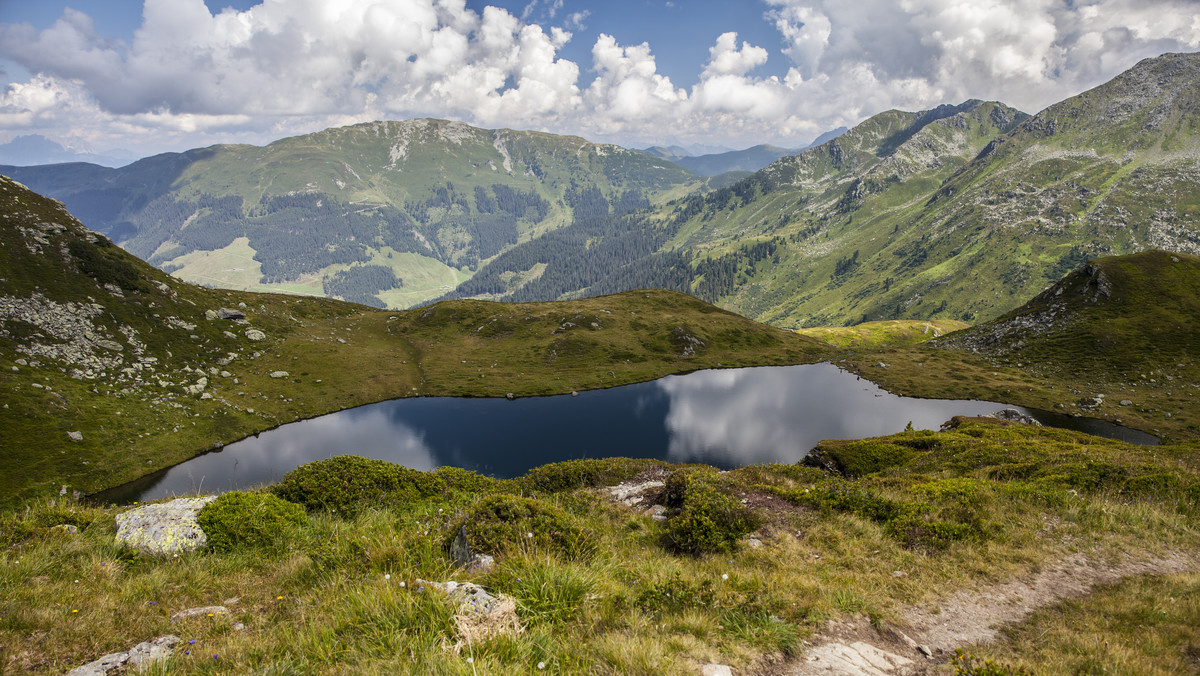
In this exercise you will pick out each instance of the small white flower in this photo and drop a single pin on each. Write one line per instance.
(529, 535)
(541, 665)
(76, 581)
(724, 576)
(387, 576)
(470, 660)
(402, 584)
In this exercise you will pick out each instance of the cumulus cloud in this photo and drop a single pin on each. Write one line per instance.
(1028, 53)
(292, 66)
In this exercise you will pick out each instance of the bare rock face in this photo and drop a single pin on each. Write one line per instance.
(167, 528)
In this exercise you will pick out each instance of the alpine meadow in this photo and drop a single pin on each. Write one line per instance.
(1044, 265)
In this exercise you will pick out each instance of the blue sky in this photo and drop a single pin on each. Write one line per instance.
(156, 75)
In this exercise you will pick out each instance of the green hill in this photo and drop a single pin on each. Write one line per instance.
(386, 213)
(111, 369)
(1114, 339)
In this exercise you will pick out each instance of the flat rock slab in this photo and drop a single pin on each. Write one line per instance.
(139, 656)
(206, 611)
(166, 528)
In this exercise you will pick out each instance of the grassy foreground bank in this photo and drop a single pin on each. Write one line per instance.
(890, 523)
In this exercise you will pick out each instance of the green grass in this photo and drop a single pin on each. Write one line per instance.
(329, 599)
(895, 332)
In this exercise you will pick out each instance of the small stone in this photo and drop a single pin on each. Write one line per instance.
(279, 374)
(211, 315)
(206, 396)
(75, 436)
(65, 529)
(925, 650)
(255, 335)
(199, 612)
(881, 365)
(510, 396)
(715, 670)
(899, 573)
(1125, 402)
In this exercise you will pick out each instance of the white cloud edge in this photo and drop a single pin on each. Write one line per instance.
(191, 78)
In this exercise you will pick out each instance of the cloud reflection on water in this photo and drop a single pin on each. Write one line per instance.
(266, 458)
(745, 416)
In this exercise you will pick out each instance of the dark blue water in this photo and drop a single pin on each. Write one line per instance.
(728, 418)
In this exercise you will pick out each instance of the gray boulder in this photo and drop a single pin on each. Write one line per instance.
(136, 658)
(254, 335)
(1013, 415)
(226, 313)
(166, 528)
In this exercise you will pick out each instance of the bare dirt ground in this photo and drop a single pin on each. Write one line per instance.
(927, 636)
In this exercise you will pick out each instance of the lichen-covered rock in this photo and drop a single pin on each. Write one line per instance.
(255, 335)
(139, 656)
(166, 528)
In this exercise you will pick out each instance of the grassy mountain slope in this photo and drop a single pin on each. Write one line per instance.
(1115, 339)
(960, 212)
(96, 342)
(355, 212)
(772, 236)
(1111, 171)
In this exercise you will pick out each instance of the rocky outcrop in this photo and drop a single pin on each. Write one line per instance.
(138, 657)
(167, 528)
(1013, 415)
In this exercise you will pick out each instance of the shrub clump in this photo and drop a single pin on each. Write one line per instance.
(858, 458)
(505, 523)
(348, 484)
(585, 473)
(238, 519)
(708, 520)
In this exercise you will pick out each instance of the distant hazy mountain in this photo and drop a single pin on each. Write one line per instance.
(35, 149)
(385, 213)
(750, 159)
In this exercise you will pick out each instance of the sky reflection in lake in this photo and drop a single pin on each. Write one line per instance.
(727, 418)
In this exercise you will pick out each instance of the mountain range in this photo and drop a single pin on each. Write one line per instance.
(960, 212)
(388, 213)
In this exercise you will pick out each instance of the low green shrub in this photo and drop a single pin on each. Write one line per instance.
(348, 484)
(502, 524)
(683, 481)
(708, 520)
(464, 481)
(238, 519)
(859, 458)
(585, 473)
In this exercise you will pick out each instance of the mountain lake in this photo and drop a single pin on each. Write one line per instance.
(726, 418)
